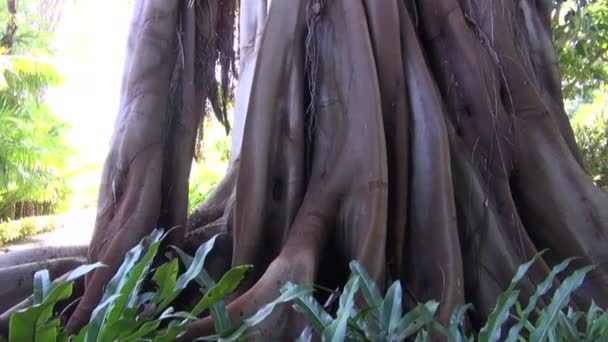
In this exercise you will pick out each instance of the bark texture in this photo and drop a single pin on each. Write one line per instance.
(426, 139)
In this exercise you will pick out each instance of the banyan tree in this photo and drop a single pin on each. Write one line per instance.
(426, 139)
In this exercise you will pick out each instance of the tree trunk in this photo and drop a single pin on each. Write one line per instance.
(426, 139)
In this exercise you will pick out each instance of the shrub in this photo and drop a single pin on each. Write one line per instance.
(592, 138)
(126, 313)
(201, 185)
(16, 230)
(213, 156)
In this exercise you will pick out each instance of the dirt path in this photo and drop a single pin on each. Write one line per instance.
(76, 231)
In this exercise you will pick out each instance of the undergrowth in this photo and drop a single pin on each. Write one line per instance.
(131, 311)
(16, 230)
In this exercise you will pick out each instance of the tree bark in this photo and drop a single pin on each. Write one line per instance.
(41, 254)
(426, 139)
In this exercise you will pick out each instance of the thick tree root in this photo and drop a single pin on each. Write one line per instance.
(41, 254)
(402, 134)
(384, 25)
(340, 207)
(432, 249)
(480, 216)
(18, 281)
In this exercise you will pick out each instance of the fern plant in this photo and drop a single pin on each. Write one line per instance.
(128, 313)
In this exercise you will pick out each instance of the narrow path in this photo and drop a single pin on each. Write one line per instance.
(76, 231)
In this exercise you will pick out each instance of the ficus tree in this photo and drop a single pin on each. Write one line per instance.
(425, 139)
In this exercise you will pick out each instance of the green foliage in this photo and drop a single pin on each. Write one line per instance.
(200, 186)
(11, 231)
(552, 321)
(223, 147)
(36, 21)
(380, 319)
(37, 323)
(211, 168)
(580, 29)
(592, 138)
(33, 151)
(127, 313)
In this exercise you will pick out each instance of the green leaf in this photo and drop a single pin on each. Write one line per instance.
(24, 324)
(127, 288)
(48, 331)
(143, 331)
(92, 330)
(423, 336)
(549, 316)
(221, 320)
(83, 270)
(593, 317)
(368, 286)
(455, 331)
(416, 319)
(492, 330)
(566, 326)
(540, 291)
(120, 329)
(336, 331)
(598, 328)
(523, 269)
(290, 293)
(368, 323)
(173, 331)
(313, 310)
(229, 282)
(165, 278)
(195, 268)
(42, 286)
(391, 311)
(128, 263)
(59, 293)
